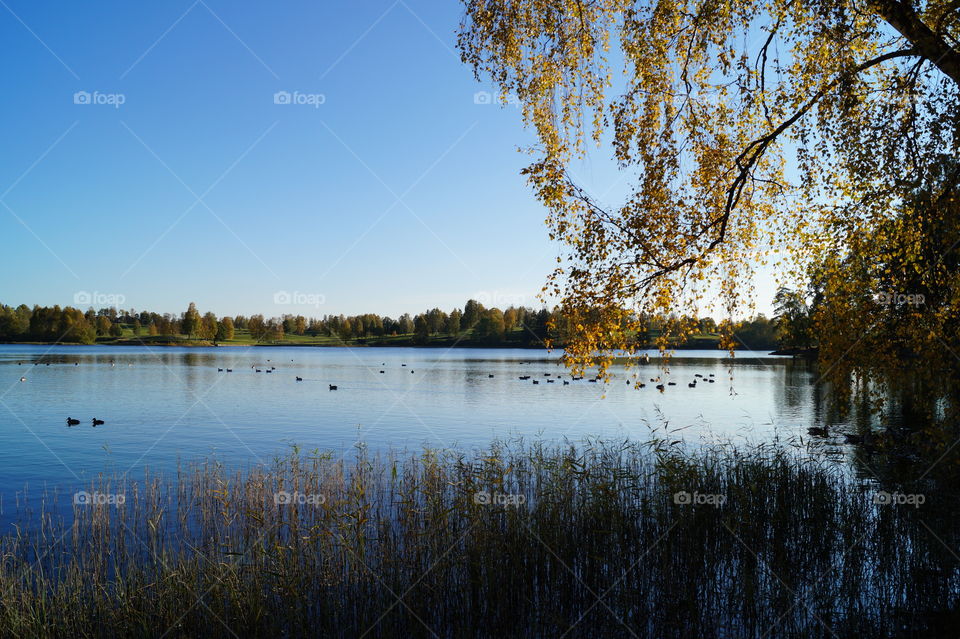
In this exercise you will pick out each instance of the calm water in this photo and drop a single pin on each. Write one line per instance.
(161, 405)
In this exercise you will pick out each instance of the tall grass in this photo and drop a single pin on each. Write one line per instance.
(518, 540)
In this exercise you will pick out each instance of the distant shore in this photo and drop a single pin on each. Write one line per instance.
(393, 343)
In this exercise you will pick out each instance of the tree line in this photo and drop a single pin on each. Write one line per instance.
(68, 324)
(473, 324)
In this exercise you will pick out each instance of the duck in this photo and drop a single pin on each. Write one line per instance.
(23, 379)
(866, 439)
(660, 387)
(536, 381)
(671, 383)
(816, 431)
(551, 381)
(219, 370)
(566, 383)
(711, 381)
(229, 370)
(489, 376)
(258, 370)
(382, 372)
(333, 387)
(642, 385)
(97, 422)
(299, 379)
(72, 422)
(692, 384)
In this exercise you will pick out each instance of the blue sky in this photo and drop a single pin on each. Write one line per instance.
(386, 188)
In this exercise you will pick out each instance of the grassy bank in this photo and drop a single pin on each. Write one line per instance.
(521, 540)
(518, 338)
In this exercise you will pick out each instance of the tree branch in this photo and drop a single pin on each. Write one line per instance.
(901, 16)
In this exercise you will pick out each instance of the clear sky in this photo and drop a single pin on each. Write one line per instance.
(292, 156)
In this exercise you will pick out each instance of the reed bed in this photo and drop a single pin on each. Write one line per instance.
(524, 539)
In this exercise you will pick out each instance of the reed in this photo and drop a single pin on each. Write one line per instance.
(523, 539)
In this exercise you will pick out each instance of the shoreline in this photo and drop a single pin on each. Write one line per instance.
(808, 353)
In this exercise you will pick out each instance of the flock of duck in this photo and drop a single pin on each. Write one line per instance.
(550, 379)
(93, 422)
(660, 386)
(257, 369)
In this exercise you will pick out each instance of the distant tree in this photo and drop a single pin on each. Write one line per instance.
(471, 314)
(453, 322)
(116, 330)
(190, 322)
(758, 333)
(792, 319)
(436, 320)
(102, 325)
(256, 326)
(490, 327)
(274, 330)
(137, 326)
(707, 325)
(152, 329)
(208, 326)
(406, 324)
(421, 329)
(225, 329)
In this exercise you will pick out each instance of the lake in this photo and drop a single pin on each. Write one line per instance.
(164, 405)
